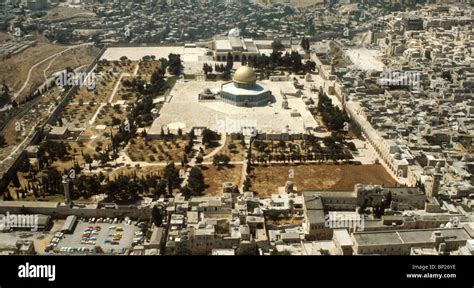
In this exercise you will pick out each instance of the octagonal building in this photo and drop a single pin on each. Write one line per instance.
(244, 90)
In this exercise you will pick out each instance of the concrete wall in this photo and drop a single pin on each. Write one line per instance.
(65, 211)
(6, 177)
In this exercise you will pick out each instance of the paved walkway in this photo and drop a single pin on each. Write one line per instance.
(112, 95)
(244, 166)
(114, 92)
(218, 149)
(92, 121)
(192, 162)
(124, 160)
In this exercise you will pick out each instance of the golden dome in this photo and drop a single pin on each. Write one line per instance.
(245, 75)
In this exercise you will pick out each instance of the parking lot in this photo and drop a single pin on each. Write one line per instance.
(111, 237)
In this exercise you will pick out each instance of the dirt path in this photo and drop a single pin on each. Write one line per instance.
(30, 71)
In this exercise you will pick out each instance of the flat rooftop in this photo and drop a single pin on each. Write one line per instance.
(193, 57)
(223, 45)
(9, 238)
(343, 237)
(26, 204)
(408, 236)
(223, 252)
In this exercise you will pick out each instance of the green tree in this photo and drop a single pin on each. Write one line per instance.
(157, 81)
(280, 253)
(305, 43)
(230, 62)
(15, 180)
(175, 64)
(171, 174)
(208, 136)
(220, 159)
(309, 66)
(388, 200)
(157, 216)
(296, 63)
(310, 27)
(364, 205)
(446, 75)
(247, 250)
(226, 75)
(164, 63)
(196, 181)
(88, 159)
(277, 45)
(199, 159)
(246, 185)
(206, 68)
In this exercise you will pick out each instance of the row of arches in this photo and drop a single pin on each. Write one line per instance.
(382, 154)
(235, 58)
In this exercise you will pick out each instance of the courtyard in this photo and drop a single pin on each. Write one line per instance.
(193, 57)
(185, 111)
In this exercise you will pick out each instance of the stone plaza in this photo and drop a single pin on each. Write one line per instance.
(285, 114)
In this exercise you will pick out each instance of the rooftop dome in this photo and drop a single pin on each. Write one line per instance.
(235, 32)
(245, 75)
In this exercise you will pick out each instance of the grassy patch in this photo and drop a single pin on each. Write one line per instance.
(266, 179)
(171, 81)
(214, 178)
(467, 209)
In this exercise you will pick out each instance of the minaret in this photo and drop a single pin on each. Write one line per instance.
(67, 195)
(435, 181)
